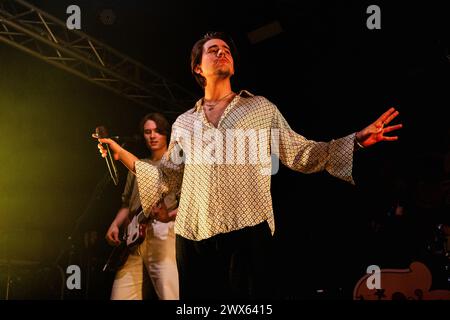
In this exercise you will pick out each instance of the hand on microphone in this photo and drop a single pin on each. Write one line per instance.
(111, 150)
(113, 146)
(105, 147)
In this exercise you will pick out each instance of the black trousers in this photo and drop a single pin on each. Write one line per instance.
(234, 265)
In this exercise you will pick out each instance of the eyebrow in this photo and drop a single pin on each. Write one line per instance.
(216, 46)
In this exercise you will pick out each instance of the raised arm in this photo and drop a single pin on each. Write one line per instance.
(308, 156)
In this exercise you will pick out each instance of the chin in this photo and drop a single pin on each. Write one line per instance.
(156, 148)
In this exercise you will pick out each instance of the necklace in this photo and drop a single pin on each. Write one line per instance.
(211, 105)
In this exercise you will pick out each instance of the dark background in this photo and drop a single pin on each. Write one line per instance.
(327, 73)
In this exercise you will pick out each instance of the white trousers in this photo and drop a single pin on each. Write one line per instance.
(157, 255)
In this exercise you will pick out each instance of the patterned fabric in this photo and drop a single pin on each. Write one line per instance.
(131, 200)
(222, 174)
(130, 195)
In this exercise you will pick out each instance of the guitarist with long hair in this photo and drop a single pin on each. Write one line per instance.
(155, 251)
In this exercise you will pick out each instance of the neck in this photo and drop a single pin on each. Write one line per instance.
(157, 154)
(217, 88)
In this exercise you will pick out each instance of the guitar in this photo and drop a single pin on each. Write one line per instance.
(413, 283)
(136, 230)
(133, 235)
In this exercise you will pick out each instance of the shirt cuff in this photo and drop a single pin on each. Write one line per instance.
(340, 163)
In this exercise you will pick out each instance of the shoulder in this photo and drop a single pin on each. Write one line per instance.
(259, 102)
(248, 96)
(146, 160)
(184, 117)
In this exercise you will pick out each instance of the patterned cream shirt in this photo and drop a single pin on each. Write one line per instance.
(222, 174)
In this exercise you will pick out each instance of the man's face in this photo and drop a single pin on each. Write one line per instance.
(154, 140)
(216, 60)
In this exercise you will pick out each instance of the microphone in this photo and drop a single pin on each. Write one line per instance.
(102, 132)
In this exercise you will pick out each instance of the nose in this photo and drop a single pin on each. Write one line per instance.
(220, 52)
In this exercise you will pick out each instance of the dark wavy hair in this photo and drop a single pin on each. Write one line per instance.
(197, 52)
(162, 123)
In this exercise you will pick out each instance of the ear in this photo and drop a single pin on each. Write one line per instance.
(198, 70)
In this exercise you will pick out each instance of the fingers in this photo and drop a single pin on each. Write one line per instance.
(392, 116)
(105, 140)
(102, 150)
(113, 146)
(102, 140)
(390, 138)
(392, 128)
(100, 147)
(115, 236)
(173, 214)
(160, 213)
(113, 239)
(116, 239)
(385, 116)
(389, 129)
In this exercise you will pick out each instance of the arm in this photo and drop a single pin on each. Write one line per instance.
(336, 156)
(155, 182)
(308, 156)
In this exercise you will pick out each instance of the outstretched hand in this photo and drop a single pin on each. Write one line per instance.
(113, 146)
(375, 132)
(119, 153)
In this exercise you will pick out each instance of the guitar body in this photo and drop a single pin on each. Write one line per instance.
(136, 230)
(134, 234)
(413, 283)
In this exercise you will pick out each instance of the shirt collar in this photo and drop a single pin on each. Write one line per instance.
(242, 93)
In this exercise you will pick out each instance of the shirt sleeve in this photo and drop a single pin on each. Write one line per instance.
(308, 156)
(126, 195)
(155, 182)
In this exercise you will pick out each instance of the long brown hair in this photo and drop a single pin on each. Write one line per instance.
(162, 124)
